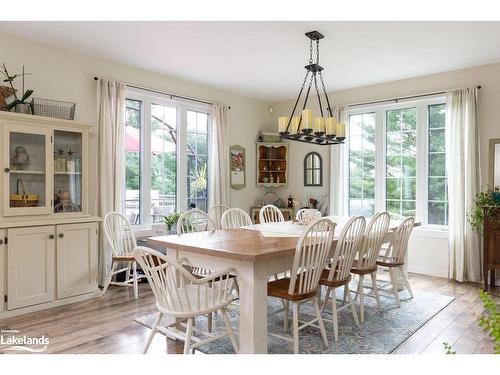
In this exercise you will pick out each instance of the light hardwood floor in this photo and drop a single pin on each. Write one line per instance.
(106, 325)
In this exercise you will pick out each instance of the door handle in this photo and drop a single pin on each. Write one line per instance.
(51, 236)
(6, 170)
(61, 235)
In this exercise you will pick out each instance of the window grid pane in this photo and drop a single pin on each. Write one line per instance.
(362, 164)
(401, 161)
(437, 206)
(197, 168)
(133, 144)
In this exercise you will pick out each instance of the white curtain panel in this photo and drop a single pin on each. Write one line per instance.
(219, 185)
(462, 144)
(111, 158)
(337, 165)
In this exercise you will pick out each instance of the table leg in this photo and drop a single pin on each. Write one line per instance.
(252, 278)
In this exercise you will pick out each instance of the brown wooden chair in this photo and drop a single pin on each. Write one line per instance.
(311, 252)
(338, 274)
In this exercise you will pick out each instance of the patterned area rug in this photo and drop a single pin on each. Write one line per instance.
(382, 332)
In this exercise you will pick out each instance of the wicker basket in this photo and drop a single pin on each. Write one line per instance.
(23, 200)
(53, 108)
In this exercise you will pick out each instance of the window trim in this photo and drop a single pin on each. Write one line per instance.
(421, 106)
(182, 107)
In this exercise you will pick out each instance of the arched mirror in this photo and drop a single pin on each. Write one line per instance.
(313, 169)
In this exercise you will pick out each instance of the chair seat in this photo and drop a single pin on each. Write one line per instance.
(362, 271)
(279, 288)
(333, 283)
(389, 262)
(124, 258)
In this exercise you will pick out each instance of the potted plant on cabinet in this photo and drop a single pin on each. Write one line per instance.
(15, 103)
(485, 206)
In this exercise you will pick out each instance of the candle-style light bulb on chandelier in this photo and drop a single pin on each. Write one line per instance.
(322, 130)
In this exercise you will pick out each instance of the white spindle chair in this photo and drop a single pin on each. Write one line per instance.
(298, 215)
(235, 218)
(366, 264)
(121, 239)
(270, 214)
(394, 258)
(182, 296)
(215, 213)
(338, 273)
(311, 252)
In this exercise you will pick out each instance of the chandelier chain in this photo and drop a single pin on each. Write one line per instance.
(317, 52)
(310, 51)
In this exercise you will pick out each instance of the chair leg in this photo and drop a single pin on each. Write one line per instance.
(295, 308)
(360, 286)
(229, 330)
(189, 332)
(285, 316)
(407, 283)
(346, 291)
(361, 292)
(334, 316)
(353, 309)
(375, 288)
(209, 322)
(127, 272)
(394, 283)
(327, 295)
(152, 333)
(110, 276)
(136, 280)
(320, 320)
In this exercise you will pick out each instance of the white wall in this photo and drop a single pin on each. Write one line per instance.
(428, 250)
(65, 75)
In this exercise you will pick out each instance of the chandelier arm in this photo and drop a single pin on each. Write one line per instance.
(317, 93)
(297, 101)
(326, 95)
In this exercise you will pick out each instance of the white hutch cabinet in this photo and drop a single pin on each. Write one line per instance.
(48, 239)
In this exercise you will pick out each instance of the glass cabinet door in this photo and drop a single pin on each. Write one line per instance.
(26, 161)
(67, 171)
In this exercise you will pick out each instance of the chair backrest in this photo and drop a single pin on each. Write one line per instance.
(175, 289)
(398, 246)
(119, 234)
(348, 243)
(194, 220)
(298, 215)
(310, 256)
(215, 213)
(235, 218)
(375, 232)
(270, 214)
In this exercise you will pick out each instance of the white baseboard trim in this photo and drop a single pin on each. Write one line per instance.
(430, 271)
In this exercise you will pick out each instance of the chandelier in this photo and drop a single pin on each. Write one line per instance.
(320, 130)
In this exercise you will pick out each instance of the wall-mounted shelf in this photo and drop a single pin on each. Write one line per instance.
(272, 155)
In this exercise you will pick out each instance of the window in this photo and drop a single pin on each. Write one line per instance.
(401, 162)
(407, 177)
(166, 146)
(362, 164)
(438, 181)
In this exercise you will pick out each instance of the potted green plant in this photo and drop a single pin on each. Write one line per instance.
(485, 205)
(18, 104)
(170, 221)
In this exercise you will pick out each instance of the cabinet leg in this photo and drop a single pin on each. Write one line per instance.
(485, 276)
(492, 278)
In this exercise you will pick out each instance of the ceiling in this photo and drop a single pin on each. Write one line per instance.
(265, 60)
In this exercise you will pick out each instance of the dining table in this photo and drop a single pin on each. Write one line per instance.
(255, 252)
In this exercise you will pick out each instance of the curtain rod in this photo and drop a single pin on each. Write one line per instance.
(396, 100)
(165, 93)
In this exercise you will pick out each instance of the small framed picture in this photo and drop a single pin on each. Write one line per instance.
(238, 165)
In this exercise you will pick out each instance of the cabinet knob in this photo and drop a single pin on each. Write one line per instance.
(6, 170)
(61, 235)
(1, 242)
(51, 236)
